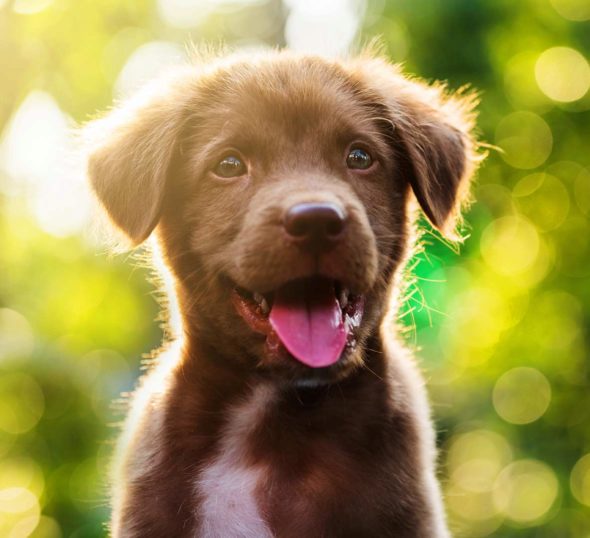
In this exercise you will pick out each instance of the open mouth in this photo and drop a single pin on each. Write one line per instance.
(315, 318)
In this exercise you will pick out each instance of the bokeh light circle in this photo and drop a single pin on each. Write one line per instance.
(183, 13)
(510, 245)
(544, 200)
(19, 512)
(21, 485)
(30, 7)
(478, 445)
(580, 480)
(521, 395)
(525, 138)
(525, 491)
(481, 313)
(477, 508)
(147, 62)
(24, 472)
(563, 74)
(474, 461)
(16, 335)
(573, 10)
(328, 27)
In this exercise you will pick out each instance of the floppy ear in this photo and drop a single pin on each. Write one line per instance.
(432, 137)
(130, 153)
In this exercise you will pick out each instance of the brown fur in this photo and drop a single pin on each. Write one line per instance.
(346, 450)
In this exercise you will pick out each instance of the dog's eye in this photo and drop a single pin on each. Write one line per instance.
(230, 166)
(359, 159)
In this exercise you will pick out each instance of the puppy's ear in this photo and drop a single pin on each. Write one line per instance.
(130, 153)
(433, 138)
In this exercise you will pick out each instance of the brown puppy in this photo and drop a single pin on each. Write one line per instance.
(278, 188)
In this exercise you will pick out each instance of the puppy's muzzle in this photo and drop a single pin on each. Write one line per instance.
(315, 227)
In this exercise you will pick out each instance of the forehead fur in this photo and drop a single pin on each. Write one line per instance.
(264, 104)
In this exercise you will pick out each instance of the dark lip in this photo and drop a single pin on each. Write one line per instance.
(269, 295)
(246, 296)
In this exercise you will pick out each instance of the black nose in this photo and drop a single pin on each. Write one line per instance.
(315, 226)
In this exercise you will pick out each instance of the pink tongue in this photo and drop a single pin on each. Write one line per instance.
(307, 318)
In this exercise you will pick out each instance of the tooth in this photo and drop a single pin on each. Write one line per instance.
(343, 298)
(258, 297)
(264, 306)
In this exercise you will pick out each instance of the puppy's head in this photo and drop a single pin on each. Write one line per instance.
(278, 187)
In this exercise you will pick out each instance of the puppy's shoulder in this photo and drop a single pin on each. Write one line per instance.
(406, 383)
(138, 446)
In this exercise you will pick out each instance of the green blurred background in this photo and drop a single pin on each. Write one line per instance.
(502, 328)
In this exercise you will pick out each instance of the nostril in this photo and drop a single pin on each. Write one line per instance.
(315, 225)
(335, 225)
(296, 223)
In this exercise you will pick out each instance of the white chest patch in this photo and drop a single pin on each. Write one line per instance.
(227, 485)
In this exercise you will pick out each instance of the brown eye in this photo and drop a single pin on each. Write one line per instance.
(230, 166)
(359, 159)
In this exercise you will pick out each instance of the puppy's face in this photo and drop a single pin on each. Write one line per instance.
(279, 190)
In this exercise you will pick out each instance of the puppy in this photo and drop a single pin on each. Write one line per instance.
(279, 189)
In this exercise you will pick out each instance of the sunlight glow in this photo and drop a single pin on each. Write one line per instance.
(37, 153)
(146, 63)
(183, 13)
(30, 7)
(22, 472)
(475, 460)
(563, 74)
(485, 316)
(21, 485)
(525, 491)
(33, 141)
(191, 13)
(328, 27)
(19, 511)
(478, 444)
(16, 335)
(482, 314)
(510, 245)
(513, 398)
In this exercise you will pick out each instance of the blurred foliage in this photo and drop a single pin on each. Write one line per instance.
(502, 328)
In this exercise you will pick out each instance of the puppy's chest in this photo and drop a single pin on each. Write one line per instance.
(228, 486)
(229, 505)
(238, 497)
